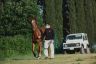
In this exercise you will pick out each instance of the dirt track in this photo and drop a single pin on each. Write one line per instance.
(59, 59)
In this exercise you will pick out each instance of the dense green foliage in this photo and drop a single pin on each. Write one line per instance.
(15, 45)
(15, 16)
(15, 28)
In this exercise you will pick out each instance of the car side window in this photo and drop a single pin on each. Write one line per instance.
(84, 37)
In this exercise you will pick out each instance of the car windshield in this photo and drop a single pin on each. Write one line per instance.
(71, 37)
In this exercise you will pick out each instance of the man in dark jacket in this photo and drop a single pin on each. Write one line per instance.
(49, 41)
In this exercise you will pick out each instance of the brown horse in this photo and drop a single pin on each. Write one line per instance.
(37, 37)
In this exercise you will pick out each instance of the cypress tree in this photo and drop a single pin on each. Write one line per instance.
(54, 16)
(65, 12)
(89, 19)
(58, 19)
(94, 19)
(72, 16)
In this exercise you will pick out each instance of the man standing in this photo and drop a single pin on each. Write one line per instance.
(49, 41)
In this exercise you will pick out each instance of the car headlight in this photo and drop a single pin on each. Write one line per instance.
(65, 45)
(78, 44)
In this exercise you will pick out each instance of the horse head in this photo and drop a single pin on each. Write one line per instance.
(34, 24)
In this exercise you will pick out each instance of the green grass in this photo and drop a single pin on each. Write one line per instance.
(94, 63)
(59, 59)
(79, 59)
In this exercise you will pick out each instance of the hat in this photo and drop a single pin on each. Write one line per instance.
(47, 26)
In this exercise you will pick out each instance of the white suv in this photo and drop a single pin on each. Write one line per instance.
(76, 42)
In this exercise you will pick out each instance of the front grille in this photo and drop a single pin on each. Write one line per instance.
(71, 45)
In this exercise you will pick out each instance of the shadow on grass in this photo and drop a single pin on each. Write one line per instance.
(22, 57)
(94, 63)
(79, 59)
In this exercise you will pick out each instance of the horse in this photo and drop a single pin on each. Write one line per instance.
(37, 37)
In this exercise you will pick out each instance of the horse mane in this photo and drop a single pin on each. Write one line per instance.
(42, 29)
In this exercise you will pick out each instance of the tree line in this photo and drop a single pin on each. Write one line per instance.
(65, 16)
(82, 17)
(72, 16)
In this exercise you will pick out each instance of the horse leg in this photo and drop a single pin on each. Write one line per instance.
(33, 46)
(39, 49)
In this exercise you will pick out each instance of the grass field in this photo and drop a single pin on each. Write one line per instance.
(59, 59)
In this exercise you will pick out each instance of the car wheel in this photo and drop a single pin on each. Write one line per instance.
(64, 52)
(88, 50)
(82, 51)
